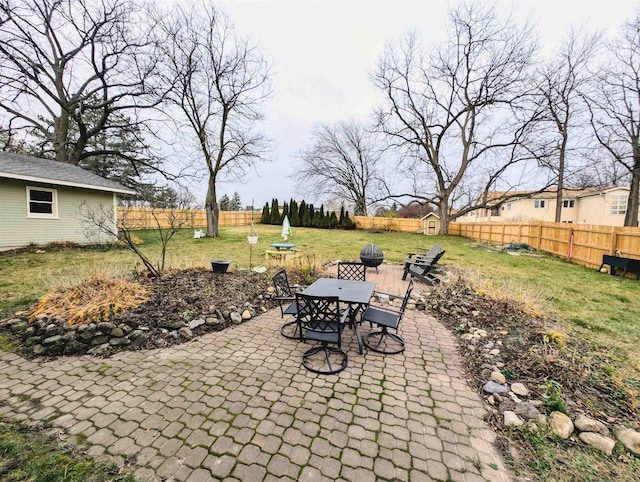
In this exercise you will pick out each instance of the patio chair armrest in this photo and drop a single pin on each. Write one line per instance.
(390, 295)
(285, 298)
(385, 308)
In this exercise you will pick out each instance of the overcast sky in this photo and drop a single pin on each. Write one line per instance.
(321, 53)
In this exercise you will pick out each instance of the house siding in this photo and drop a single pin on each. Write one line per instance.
(17, 229)
(588, 209)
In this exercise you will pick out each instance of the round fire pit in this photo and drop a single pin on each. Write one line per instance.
(371, 256)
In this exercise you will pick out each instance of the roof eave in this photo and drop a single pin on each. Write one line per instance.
(20, 177)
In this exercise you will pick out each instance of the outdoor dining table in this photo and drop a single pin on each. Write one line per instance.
(356, 294)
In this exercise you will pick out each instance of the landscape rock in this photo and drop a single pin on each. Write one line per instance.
(246, 315)
(117, 332)
(236, 317)
(560, 424)
(498, 377)
(185, 332)
(586, 424)
(512, 420)
(519, 389)
(213, 321)
(193, 324)
(528, 411)
(493, 387)
(629, 438)
(597, 441)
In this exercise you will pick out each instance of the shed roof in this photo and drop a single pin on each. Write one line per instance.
(36, 169)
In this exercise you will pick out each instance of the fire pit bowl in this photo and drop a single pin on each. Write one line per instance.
(371, 256)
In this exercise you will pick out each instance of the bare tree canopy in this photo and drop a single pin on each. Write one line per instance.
(453, 111)
(614, 105)
(218, 80)
(67, 67)
(342, 163)
(563, 79)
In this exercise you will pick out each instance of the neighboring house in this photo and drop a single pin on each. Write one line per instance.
(606, 207)
(40, 201)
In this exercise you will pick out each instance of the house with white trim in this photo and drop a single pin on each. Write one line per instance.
(605, 207)
(40, 201)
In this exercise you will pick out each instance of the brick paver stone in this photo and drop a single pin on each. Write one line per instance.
(238, 405)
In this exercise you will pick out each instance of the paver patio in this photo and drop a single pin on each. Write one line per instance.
(238, 405)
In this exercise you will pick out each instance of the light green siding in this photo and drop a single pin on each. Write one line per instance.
(17, 229)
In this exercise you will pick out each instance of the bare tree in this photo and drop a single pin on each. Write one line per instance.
(454, 111)
(67, 67)
(342, 164)
(218, 80)
(614, 105)
(562, 81)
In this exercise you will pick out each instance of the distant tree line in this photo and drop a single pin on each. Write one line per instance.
(233, 203)
(306, 215)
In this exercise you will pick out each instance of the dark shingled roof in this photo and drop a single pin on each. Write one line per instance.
(30, 168)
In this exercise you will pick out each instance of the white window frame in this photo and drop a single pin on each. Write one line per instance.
(539, 204)
(619, 204)
(54, 203)
(568, 203)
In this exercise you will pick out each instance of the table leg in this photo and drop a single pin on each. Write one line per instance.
(354, 310)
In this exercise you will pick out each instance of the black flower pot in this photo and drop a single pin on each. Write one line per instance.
(219, 266)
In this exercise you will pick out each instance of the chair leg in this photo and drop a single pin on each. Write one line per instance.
(314, 366)
(383, 345)
(290, 330)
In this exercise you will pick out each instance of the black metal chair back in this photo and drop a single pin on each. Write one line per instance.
(352, 271)
(405, 300)
(281, 284)
(319, 314)
(319, 319)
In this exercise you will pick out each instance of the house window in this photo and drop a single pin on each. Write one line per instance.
(508, 206)
(495, 211)
(619, 204)
(42, 203)
(538, 203)
(568, 203)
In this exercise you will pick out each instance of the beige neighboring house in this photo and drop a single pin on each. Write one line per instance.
(606, 207)
(40, 201)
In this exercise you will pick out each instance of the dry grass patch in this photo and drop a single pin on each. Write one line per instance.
(96, 299)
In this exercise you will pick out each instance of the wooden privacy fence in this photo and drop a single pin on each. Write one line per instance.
(582, 243)
(404, 225)
(149, 218)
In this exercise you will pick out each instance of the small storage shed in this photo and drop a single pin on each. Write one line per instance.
(431, 223)
(40, 201)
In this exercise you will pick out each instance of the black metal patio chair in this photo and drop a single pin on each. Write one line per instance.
(287, 301)
(319, 319)
(386, 319)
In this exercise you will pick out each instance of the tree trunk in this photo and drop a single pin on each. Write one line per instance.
(212, 209)
(443, 208)
(631, 217)
(360, 208)
(60, 133)
(560, 183)
(561, 162)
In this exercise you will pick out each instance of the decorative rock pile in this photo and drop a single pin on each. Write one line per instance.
(518, 410)
(53, 336)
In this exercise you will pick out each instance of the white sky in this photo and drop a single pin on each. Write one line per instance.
(321, 54)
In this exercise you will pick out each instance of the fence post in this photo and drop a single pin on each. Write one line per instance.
(539, 236)
(613, 241)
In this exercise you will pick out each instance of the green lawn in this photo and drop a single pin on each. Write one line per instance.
(599, 306)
